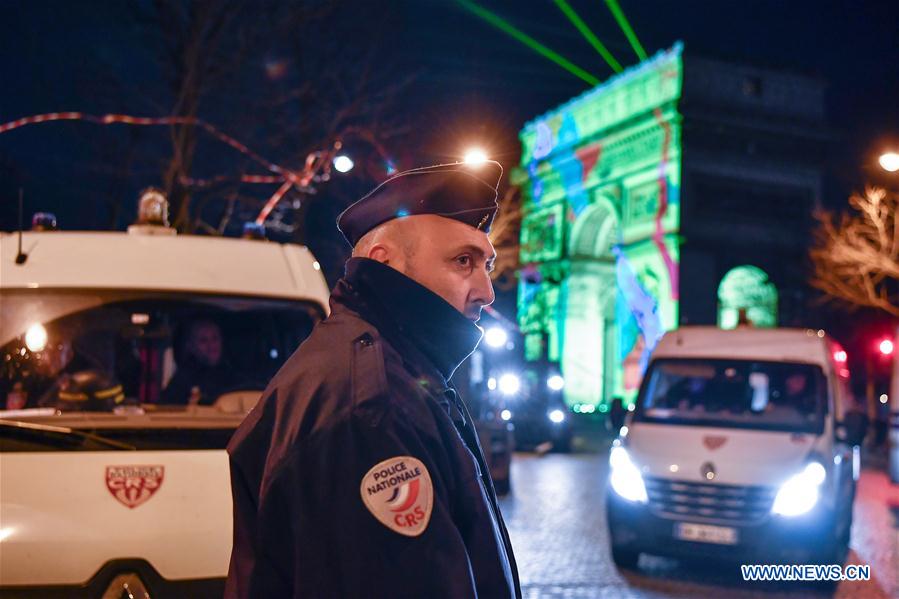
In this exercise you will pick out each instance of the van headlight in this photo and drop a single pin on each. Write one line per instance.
(800, 493)
(625, 478)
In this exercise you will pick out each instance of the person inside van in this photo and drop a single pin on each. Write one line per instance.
(203, 374)
(795, 399)
(71, 355)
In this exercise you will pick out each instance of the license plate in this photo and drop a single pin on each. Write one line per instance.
(705, 533)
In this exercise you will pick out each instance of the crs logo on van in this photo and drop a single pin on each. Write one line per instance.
(713, 442)
(134, 485)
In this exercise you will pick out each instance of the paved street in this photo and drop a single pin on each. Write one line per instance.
(556, 518)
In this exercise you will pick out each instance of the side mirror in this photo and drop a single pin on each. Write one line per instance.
(854, 427)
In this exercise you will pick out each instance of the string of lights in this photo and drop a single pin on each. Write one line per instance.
(316, 162)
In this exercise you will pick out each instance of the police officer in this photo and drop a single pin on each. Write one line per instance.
(359, 473)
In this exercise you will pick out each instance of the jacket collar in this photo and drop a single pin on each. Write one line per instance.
(405, 311)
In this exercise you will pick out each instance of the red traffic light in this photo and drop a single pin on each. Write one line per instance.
(886, 347)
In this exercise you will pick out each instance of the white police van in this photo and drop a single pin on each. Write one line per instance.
(742, 446)
(106, 490)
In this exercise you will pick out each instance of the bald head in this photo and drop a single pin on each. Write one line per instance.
(449, 257)
(394, 236)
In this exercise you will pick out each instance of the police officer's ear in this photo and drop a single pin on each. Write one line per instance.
(373, 246)
(379, 252)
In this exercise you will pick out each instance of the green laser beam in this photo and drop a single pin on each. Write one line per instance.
(589, 35)
(528, 41)
(626, 28)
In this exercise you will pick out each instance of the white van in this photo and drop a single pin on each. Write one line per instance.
(111, 485)
(741, 446)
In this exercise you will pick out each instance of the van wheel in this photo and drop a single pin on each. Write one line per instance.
(625, 558)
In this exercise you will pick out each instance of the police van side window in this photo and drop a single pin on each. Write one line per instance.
(101, 350)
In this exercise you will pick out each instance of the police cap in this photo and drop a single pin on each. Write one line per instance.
(463, 192)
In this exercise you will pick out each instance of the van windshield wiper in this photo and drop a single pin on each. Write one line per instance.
(57, 435)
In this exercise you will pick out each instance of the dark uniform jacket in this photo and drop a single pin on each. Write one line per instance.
(368, 386)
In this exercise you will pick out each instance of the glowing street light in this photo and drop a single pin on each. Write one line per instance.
(475, 157)
(889, 161)
(343, 163)
(496, 337)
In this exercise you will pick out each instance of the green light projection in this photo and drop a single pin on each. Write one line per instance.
(747, 288)
(588, 34)
(626, 28)
(527, 40)
(599, 239)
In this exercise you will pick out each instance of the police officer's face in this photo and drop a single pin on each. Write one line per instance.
(452, 259)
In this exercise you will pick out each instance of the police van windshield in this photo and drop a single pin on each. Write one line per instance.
(734, 393)
(105, 350)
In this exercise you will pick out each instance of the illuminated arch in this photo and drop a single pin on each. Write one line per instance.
(595, 232)
(589, 351)
(747, 288)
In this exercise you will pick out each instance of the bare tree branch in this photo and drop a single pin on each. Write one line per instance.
(856, 259)
(276, 74)
(504, 235)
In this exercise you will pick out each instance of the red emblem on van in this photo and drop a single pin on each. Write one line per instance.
(134, 485)
(713, 442)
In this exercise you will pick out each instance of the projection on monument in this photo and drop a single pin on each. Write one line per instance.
(599, 239)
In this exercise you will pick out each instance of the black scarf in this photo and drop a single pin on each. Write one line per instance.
(405, 311)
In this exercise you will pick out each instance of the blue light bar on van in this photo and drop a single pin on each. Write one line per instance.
(253, 231)
(43, 221)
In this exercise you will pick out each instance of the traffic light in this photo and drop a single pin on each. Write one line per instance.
(886, 347)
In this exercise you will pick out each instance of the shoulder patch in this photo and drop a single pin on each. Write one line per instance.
(399, 493)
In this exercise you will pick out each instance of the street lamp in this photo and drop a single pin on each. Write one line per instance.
(475, 157)
(343, 163)
(889, 161)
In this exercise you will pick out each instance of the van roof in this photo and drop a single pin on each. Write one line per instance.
(195, 264)
(777, 345)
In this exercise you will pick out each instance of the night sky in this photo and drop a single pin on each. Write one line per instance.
(458, 82)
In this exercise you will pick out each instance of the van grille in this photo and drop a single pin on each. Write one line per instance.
(733, 504)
